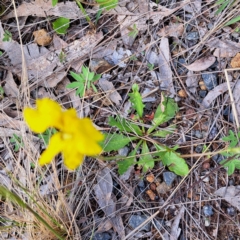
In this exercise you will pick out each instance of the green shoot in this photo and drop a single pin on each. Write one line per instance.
(7, 36)
(17, 142)
(133, 31)
(85, 78)
(150, 66)
(61, 25)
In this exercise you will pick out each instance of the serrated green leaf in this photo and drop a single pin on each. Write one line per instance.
(73, 85)
(96, 77)
(114, 142)
(231, 164)
(124, 125)
(85, 71)
(231, 138)
(77, 77)
(136, 100)
(54, 2)
(146, 160)
(172, 160)
(94, 88)
(61, 25)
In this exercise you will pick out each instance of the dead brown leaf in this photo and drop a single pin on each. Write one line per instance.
(10, 88)
(165, 72)
(103, 191)
(110, 91)
(192, 81)
(201, 64)
(41, 37)
(213, 94)
(235, 63)
(231, 194)
(175, 30)
(42, 8)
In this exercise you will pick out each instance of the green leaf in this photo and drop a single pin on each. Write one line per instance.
(77, 77)
(61, 25)
(47, 135)
(123, 165)
(107, 4)
(231, 165)
(165, 132)
(146, 160)
(124, 125)
(7, 36)
(231, 138)
(74, 85)
(17, 141)
(54, 2)
(114, 142)
(165, 111)
(172, 160)
(234, 20)
(136, 100)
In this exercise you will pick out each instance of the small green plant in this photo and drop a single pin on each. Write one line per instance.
(133, 58)
(85, 79)
(144, 137)
(1, 92)
(150, 66)
(133, 31)
(47, 135)
(232, 160)
(7, 36)
(61, 25)
(17, 142)
(62, 57)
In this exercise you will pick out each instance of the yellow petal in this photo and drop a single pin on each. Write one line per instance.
(55, 146)
(87, 138)
(47, 114)
(72, 159)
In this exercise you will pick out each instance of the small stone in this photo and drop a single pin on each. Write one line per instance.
(141, 185)
(210, 80)
(136, 220)
(159, 223)
(162, 188)
(151, 194)
(206, 165)
(207, 222)
(202, 85)
(202, 93)
(153, 186)
(182, 93)
(198, 134)
(231, 182)
(198, 148)
(102, 236)
(150, 178)
(213, 133)
(169, 177)
(228, 114)
(231, 211)
(192, 36)
(123, 151)
(205, 179)
(207, 210)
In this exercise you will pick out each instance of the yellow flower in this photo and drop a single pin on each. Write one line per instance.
(76, 137)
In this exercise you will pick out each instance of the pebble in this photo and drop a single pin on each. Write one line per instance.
(102, 236)
(182, 93)
(213, 133)
(202, 93)
(141, 185)
(202, 85)
(198, 148)
(169, 177)
(207, 210)
(231, 182)
(231, 211)
(136, 220)
(207, 222)
(210, 80)
(198, 134)
(192, 36)
(123, 151)
(159, 223)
